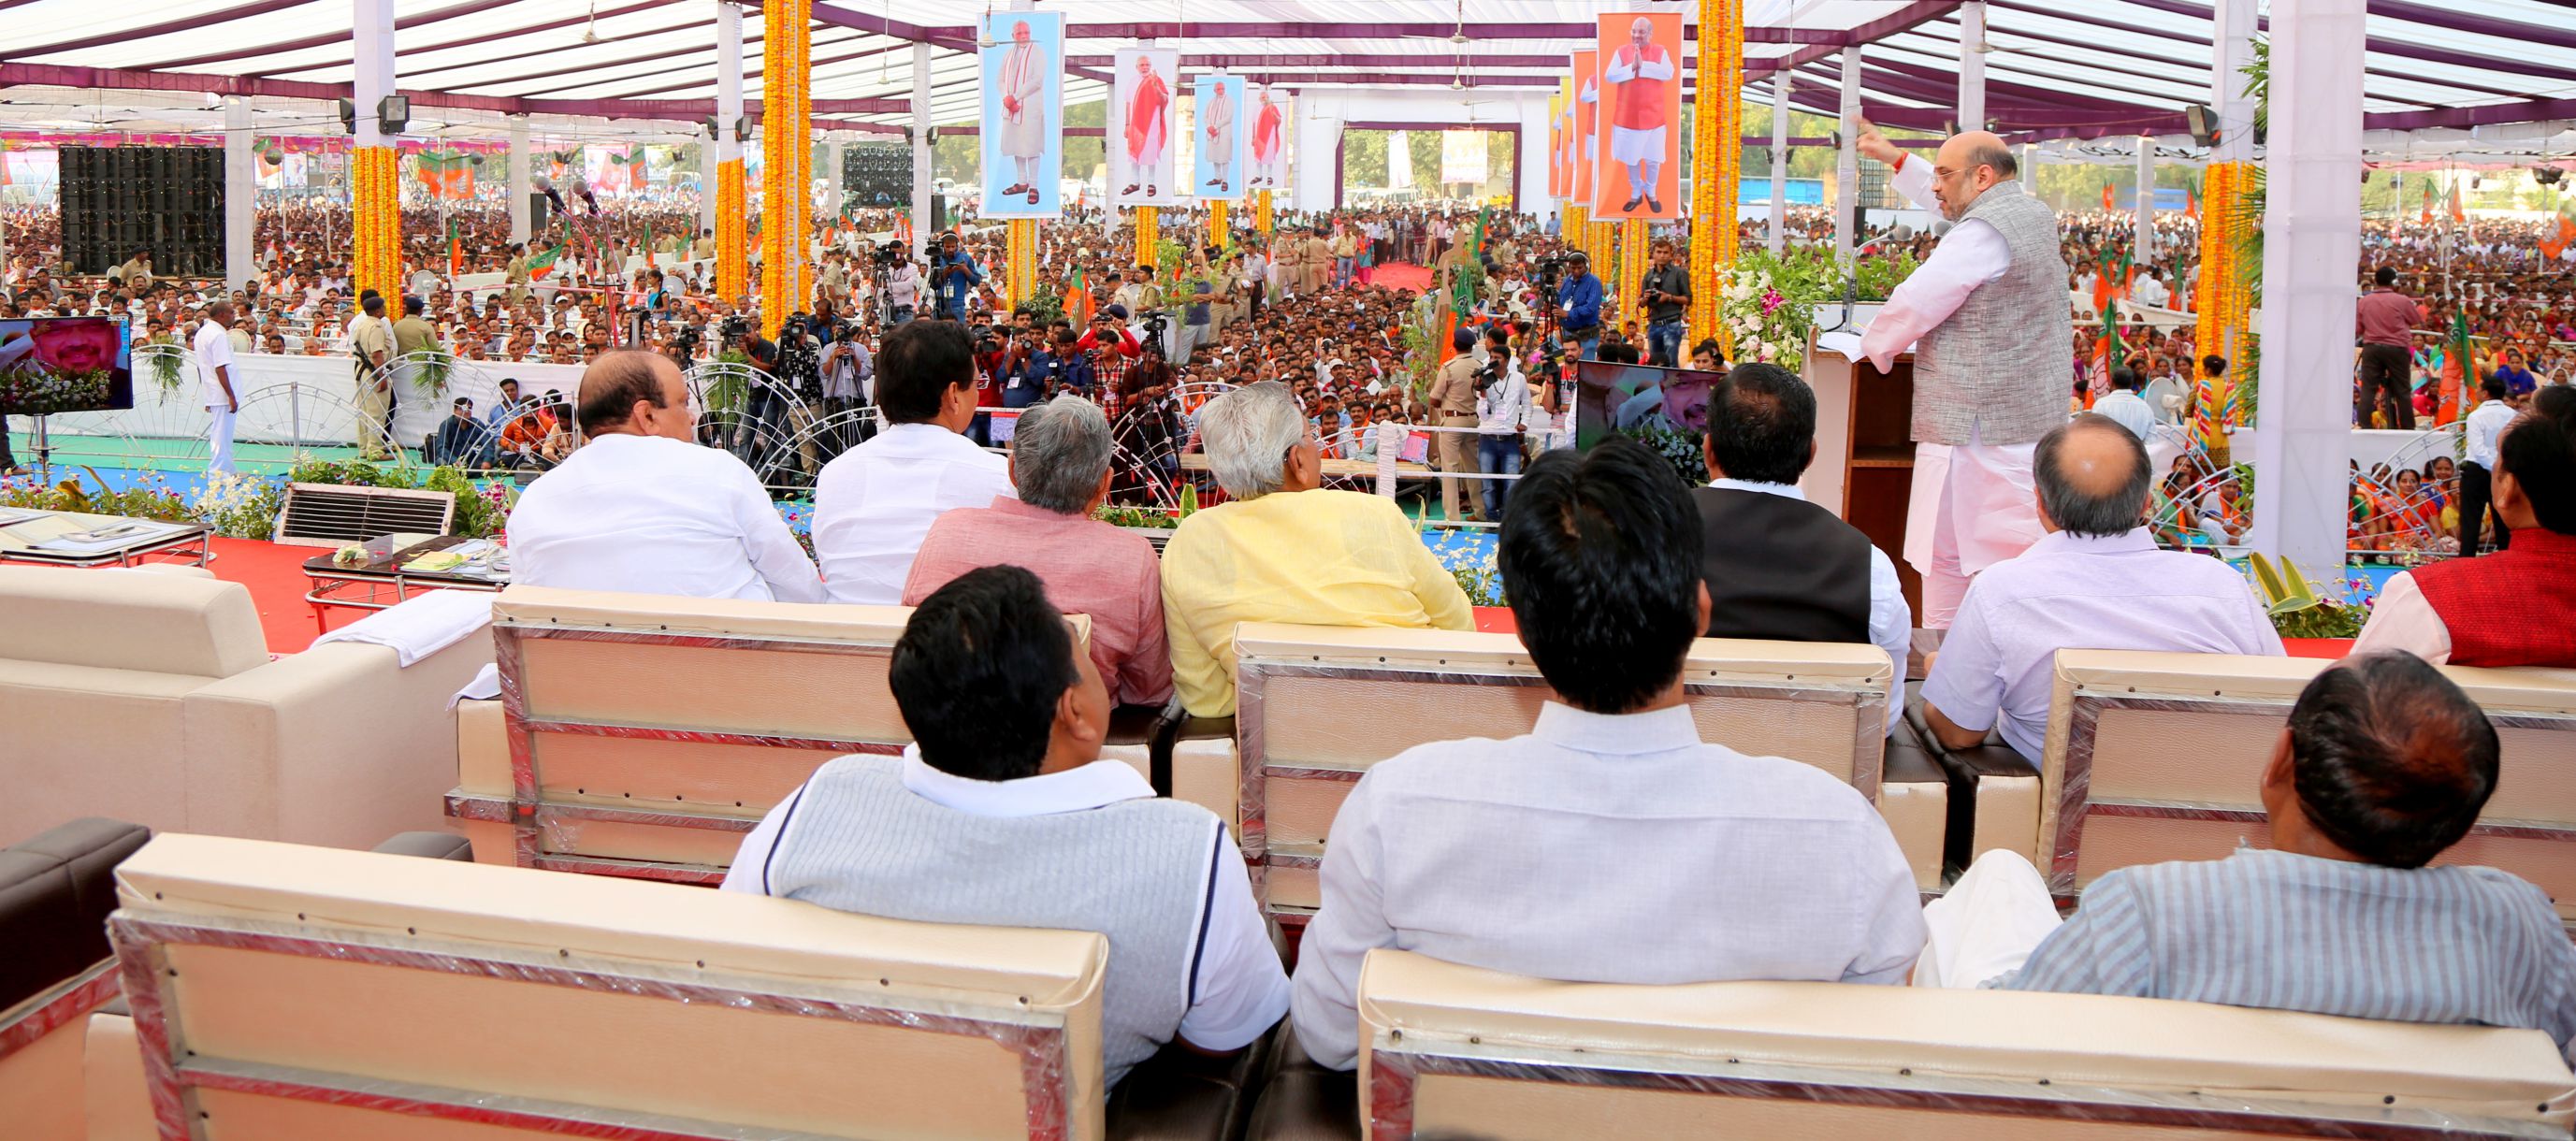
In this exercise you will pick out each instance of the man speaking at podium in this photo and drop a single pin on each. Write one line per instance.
(1988, 318)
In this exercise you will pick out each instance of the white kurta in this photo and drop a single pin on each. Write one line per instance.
(1024, 80)
(1220, 128)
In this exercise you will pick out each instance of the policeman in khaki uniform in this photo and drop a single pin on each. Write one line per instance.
(1453, 410)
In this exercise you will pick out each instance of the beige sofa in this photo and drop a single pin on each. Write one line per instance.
(293, 994)
(1449, 1051)
(1319, 705)
(151, 698)
(2155, 756)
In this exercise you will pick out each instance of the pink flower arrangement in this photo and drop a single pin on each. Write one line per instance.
(1772, 300)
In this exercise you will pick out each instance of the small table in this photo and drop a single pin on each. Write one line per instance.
(385, 568)
(79, 539)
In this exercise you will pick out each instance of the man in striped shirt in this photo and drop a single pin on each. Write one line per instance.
(2384, 764)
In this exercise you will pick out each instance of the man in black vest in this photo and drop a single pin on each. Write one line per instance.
(1777, 566)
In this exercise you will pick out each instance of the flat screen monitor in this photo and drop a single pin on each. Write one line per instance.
(1662, 407)
(65, 364)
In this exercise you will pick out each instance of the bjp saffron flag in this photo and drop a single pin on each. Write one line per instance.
(2106, 198)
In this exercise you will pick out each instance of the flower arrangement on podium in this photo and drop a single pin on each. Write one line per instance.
(1767, 303)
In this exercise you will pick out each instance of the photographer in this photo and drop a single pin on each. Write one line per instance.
(955, 275)
(1666, 293)
(902, 290)
(1453, 407)
(1029, 370)
(1578, 304)
(1502, 411)
(847, 370)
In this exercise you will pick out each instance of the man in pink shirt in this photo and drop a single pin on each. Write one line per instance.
(1060, 467)
(2386, 321)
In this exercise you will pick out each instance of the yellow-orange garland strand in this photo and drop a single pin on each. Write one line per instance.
(1262, 219)
(1217, 225)
(1148, 233)
(733, 233)
(1023, 260)
(1717, 160)
(1632, 269)
(376, 221)
(787, 158)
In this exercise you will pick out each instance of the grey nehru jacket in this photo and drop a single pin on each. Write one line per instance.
(1999, 370)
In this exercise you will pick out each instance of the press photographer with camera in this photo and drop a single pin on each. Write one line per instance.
(1665, 293)
(902, 283)
(1578, 303)
(955, 275)
(1502, 409)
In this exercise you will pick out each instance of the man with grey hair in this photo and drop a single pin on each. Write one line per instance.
(1059, 464)
(2096, 581)
(1286, 550)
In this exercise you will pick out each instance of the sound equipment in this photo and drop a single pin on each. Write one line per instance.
(877, 176)
(118, 201)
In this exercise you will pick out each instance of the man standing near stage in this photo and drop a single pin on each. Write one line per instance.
(1988, 317)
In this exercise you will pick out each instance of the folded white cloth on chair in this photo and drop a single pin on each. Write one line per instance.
(485, 686)
(422, 625)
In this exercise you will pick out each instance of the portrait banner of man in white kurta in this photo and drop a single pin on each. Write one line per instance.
(1217, 169)
(1023, 136)
(1274, 124)
(1142, 129)
(1641, 112)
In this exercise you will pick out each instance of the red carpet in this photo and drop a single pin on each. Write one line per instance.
(1401, 275)
(275, 576)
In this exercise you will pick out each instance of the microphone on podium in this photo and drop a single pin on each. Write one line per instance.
(1899, 234)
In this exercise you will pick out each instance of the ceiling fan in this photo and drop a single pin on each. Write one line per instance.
(590, 30)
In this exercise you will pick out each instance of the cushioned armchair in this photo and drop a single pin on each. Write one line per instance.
(152, 698)
(56, 891)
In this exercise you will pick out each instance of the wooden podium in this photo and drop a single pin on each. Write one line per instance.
(1864, 465)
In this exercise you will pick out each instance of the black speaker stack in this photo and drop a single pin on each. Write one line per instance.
(121, 200)
(876, 176)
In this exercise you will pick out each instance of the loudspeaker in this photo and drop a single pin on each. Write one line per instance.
(877, 175)
(118, 201)
(939, 220)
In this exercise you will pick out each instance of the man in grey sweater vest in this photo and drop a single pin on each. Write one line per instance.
(1002, 814)
(1993, 341)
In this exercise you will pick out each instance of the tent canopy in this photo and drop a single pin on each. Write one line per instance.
(2071, 69)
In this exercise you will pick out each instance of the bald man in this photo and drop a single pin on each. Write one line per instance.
(2096, 581)
(1993, 351)
(641, 507)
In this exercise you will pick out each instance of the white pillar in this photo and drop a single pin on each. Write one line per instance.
(241, 193)
(728, 143)
(707, 178)
(2312, 225)
(1319, 138)
(1779, 229)
(921, 123)
(522, 160)
(1847, 163)
(832, 181)
(2144, 235)
(372, 35)
(1530, 164)
(1972, 65)
(2029, 168)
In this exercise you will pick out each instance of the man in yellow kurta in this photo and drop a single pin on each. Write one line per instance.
(1285, 550)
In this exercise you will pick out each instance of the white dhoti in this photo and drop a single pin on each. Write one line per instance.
(1987, 925)
(1972, 506)
(1637, 144)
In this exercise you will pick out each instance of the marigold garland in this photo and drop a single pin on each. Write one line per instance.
(787, 159)
(1023, 245)
(1632, 269)
(1217, 225)
(376, 226)
(733, 233)
(1717, 161)
(1262, 219)
(1148, 233)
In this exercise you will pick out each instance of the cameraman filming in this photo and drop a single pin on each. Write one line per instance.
(1578, 304)
(1666, 293)
(902, 290)
(955, 275)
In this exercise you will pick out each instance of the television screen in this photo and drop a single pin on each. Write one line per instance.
(65, 364)
(1658, 406)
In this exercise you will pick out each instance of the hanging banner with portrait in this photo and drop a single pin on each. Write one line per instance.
(1587, 107)
(1638, 174)
(1023, 124)
(1217, 166)
(1143, 131)
(1557, 117)
(1274, 137)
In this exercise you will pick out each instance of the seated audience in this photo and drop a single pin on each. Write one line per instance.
(643, 508)
(1610, 844)
(2516, 607)
(1001, 813)
(1778, 566)
(2123, 406)
(2383, 766)
(873, 503)
(1286, 550)
(1059, 465)
(2095, 581)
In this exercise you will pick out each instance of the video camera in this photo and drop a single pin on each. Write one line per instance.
(887, 254)
(1155, 323)
(730, 334)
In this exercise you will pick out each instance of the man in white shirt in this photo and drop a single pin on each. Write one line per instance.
(2096, 581)
(873, 504)
(214, 348)
(1008, 715)
(1653, 857)
(2151, 289)
(2123, 406)
(1777, 566)
(642, 508)
(2480, 433)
